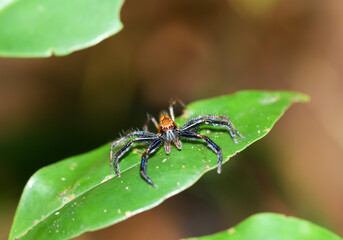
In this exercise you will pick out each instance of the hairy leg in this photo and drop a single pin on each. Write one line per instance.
(126, 137)
(116, 158)
(214, 147)
(151, 149)
(213, 120)
(171, 108)
(150, 118)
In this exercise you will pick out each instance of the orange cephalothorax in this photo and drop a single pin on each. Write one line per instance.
(166, 123)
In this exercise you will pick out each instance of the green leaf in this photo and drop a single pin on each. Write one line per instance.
(271, 226)
(40, 28)
(80, 194)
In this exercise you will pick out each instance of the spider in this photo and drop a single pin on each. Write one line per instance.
(169, 133)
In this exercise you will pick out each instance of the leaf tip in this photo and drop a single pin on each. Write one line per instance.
(301, 97)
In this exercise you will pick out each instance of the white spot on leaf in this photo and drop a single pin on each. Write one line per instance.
(108, 177)
(72, 166)
(68, 198)
(269, 100)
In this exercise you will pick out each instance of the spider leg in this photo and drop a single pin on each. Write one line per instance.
(212, 117)
(214, 147)
(171, 109)
(150, 118)
(124, 149)
(151, 149)
(213, 120)
(132, 134)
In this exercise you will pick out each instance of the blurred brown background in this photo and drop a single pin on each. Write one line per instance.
(57, 107)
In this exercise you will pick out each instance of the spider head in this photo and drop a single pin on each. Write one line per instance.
(166, 123)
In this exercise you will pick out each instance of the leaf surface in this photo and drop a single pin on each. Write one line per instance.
(40, 28)
(271, 226)
(80, 194)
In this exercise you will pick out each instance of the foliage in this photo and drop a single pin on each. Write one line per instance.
(80, 194)
(37, 28)
(271, 226)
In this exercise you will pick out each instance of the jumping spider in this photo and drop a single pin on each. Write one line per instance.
(169, 132)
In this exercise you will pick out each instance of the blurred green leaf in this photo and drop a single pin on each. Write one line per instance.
(80, 194)
(40, 28)
(271, 226)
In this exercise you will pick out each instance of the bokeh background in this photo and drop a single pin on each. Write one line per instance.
(57, 107)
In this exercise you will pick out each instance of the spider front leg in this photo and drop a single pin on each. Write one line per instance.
(171, 108)
(213, 120)
(150, 118)
(214, 147)
(151, 149)
(132, 134)
(124, 149)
